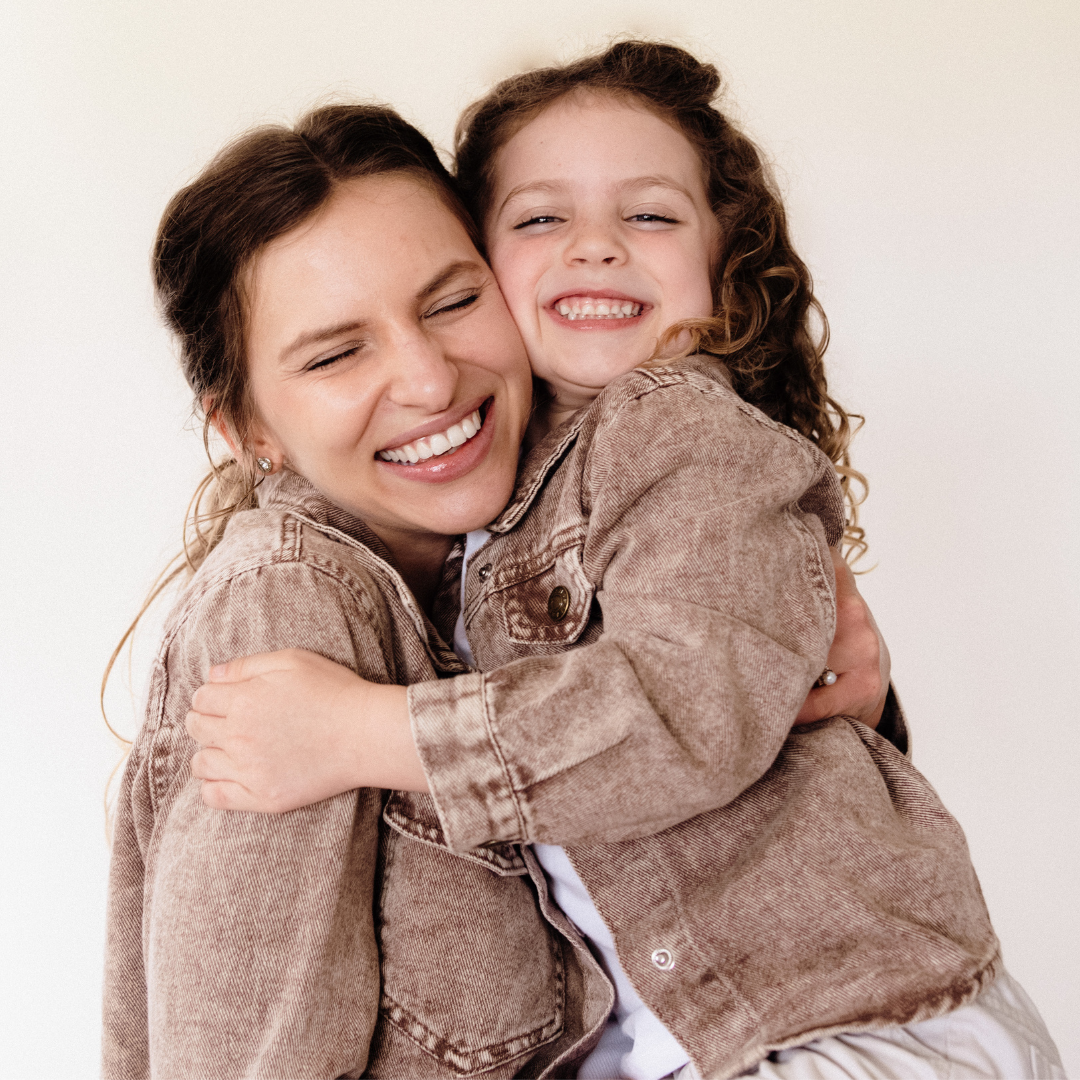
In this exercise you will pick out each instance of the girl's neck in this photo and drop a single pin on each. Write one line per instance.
(551, 411)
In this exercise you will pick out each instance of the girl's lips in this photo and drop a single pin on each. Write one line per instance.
(454, 463)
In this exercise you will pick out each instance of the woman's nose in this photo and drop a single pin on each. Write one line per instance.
(423, 375)
(596, 243)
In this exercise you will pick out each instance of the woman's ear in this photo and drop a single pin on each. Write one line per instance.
(261, 448)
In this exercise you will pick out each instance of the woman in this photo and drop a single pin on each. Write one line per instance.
(308, 945)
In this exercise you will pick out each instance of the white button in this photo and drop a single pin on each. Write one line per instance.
(663, 959)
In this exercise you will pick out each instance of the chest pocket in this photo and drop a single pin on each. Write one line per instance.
(413, 815)
(545, 600)
(473, 979)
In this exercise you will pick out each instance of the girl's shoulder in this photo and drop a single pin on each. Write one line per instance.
(695, 389)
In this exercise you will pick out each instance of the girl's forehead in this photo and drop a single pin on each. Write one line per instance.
(592, 141)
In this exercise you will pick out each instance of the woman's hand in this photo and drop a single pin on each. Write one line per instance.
(859, 656)
(286, 729)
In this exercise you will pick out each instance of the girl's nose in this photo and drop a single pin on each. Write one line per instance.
(423, 376)
(595, 243)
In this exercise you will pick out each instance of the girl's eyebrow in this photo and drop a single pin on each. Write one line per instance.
(635, 183)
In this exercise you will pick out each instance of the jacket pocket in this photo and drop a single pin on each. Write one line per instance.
(544, 600)
(472, 976)
(413, 815)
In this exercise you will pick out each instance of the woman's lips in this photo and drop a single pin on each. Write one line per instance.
(445, 465)
(593, 311)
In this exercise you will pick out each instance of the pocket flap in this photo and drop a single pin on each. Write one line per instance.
(413, 815)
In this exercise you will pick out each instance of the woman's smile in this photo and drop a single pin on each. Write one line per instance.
(437, 456)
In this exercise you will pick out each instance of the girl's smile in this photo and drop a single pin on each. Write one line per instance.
(601, 237)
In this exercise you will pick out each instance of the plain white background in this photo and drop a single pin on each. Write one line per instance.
(928, 151)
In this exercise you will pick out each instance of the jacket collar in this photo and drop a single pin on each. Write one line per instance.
(539, 463)
(290, 492)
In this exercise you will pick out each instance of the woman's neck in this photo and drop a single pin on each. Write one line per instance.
(419, 558)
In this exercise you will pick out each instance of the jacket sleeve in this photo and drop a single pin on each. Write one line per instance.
(241, 944)
(717, 596)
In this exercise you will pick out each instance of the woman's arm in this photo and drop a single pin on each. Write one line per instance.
(241, 945)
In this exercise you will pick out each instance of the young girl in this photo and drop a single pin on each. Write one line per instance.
(648, 613)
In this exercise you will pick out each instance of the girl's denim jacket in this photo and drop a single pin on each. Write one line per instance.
(648, 617)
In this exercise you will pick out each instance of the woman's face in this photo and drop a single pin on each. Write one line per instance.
(375, 331)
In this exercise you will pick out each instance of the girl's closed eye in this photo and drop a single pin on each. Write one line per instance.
(539, 219)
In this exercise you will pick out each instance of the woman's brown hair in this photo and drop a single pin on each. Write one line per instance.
(764, 314)
(259, 187)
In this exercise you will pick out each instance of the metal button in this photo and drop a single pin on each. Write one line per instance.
(663, 959)
(559, 603)
(484, 572)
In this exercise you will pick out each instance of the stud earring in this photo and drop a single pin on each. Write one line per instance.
(265, 464)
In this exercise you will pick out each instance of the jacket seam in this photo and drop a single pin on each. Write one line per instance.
(485, 706)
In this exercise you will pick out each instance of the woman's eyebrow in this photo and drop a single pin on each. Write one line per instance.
(462, 266)
(315, 337)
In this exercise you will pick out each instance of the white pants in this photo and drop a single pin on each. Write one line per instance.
(999, 1035)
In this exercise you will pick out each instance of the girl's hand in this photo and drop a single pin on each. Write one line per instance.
(286, 729)
(859, 656)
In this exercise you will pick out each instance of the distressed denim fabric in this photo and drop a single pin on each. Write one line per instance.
(648, 617)
(341, 939)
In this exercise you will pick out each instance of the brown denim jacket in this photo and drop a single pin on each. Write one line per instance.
(654, 606)
(344, 938)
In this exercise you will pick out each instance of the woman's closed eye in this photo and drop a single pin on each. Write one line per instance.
(328, 361)
(458, 302)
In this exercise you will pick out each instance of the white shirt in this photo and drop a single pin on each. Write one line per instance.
(635, 1044)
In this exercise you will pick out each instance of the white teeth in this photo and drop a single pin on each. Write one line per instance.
(445, 442)
(587, 308)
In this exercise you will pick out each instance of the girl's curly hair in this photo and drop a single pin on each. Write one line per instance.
(767, 326)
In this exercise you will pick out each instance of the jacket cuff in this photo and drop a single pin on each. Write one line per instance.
(465, 770)
(893, 723)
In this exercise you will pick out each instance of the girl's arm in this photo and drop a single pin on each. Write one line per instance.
(292, 727)
(536, 720)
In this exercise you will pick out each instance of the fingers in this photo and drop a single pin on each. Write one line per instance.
(215, 699)
(250, 667)
(845, 579)
(226, 795)
(210, 763)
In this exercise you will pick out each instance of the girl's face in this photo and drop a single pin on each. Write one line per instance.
(601, 237)
(378, 337)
